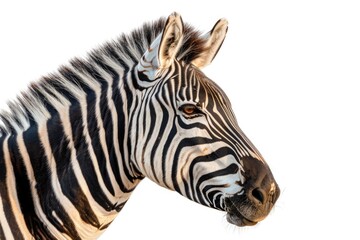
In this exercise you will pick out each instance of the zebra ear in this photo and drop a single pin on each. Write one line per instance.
(214, 40)
(163, 49)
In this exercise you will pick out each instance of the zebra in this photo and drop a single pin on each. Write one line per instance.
(77, 142)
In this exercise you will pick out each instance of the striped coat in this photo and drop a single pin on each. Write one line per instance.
(75, 145)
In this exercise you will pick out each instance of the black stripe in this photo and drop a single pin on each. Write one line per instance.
(213, 156)
(92, 124)
(8, 127)
(103, 105)
(230, 135)
(103, 227)
(68, 182)
(48, 200)
(186, 142)
(188, 126)
(61, 89)
(125, 43)
(122, 128)
(231, 169)
(151, 128)
(34, 224)
(134, 129)
(91, 70)
(83, 158)
(166, 148)
(109, 49)
(72, 77)
(135, 76)
(186, 75)
(139, 40)
(44, 87)
(108, 125)
(210, 195)
(4, 193)
(163, 125)
(2, 234)
(94, 134)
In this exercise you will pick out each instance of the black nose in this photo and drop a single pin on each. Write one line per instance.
(258, 196)
(260, 185)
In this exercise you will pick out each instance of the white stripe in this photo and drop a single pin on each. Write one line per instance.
(11, 185)
(62, 106)
(98, 209)
(30, 173)
(122, 94)
(62, 199)
(92, 152)
(102, 134)
(4, 224)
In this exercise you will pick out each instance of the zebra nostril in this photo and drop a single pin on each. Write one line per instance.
(258, 195)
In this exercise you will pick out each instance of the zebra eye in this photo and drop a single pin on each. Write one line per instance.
(190, 110)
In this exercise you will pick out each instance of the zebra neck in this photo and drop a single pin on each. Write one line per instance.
(71, 171)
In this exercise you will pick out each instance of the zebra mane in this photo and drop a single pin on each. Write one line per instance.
(32, 105)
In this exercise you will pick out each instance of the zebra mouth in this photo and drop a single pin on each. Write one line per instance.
(239, 220)
(234, 215)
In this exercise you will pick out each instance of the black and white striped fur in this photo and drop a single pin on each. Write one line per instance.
(75, 145)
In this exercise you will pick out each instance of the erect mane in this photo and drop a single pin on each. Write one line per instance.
(33, 106)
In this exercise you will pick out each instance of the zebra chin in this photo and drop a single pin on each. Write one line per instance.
(239, 220)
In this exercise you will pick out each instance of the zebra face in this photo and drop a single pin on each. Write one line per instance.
(194, 144)
(216, 164)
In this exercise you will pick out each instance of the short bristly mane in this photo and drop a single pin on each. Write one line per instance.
(33, 105)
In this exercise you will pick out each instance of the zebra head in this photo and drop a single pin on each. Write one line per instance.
(185, 135)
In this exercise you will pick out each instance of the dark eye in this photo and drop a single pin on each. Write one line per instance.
(190, 110)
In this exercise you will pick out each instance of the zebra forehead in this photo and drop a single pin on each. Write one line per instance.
(211, 89)
(196, 81)
(199, 89)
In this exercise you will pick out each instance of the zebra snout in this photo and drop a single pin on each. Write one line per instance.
(260, 192)
(254, 204)
(260, 185)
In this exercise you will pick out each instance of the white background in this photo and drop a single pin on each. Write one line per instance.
(291, 70)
